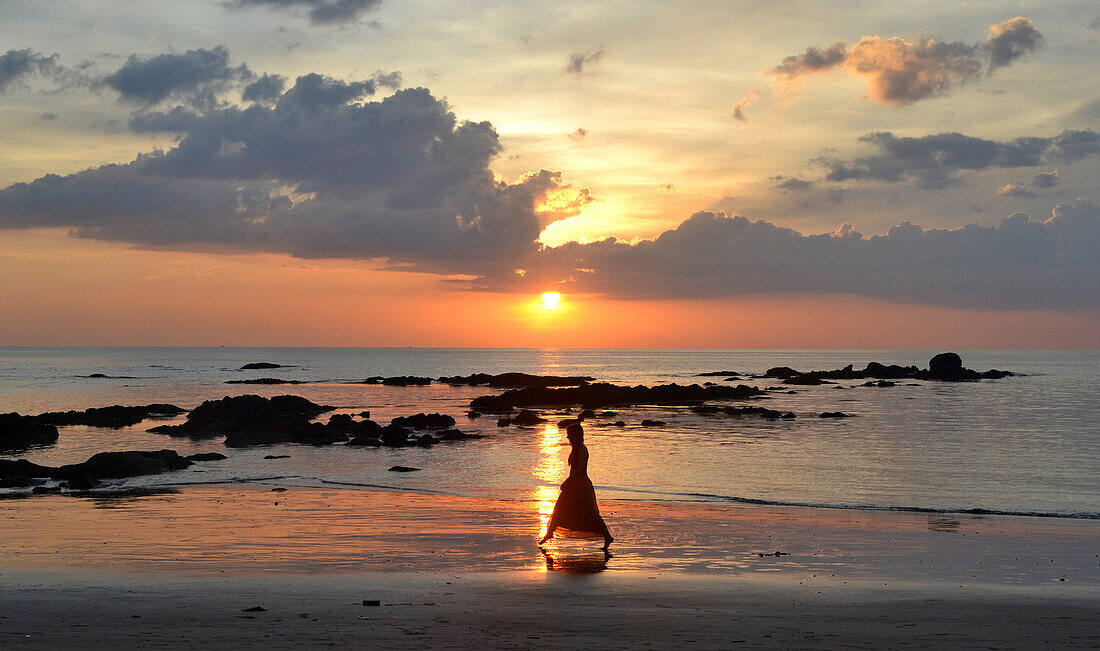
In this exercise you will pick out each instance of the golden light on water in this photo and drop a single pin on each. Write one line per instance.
(550, 300)
(550, 469)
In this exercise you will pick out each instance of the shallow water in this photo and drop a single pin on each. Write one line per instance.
(1027, 444)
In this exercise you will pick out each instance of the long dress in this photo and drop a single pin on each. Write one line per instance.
(576, 514)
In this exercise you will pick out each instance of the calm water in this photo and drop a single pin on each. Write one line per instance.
(1027, 444)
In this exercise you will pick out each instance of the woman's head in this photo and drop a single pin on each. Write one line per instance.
(574, 433)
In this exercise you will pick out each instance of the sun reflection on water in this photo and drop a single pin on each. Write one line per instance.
(551, 469)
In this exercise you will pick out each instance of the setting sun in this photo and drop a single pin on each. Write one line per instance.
(550, 300)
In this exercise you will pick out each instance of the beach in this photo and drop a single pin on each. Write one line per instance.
(180, 568)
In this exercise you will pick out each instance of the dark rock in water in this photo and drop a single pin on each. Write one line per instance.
(252, 366)
(945, 366)
(19, 432)
(265, 380)
(835, 414)
(424, 421)
(743, 412)
(504, 422)
(97, 375)
(254, 609)
(587, 413)
(619, 423)
(732, 378)
(40, 490)
(606, 414)
(115, 416)
(365, 440)
(276, 456)
(80, 484)
(403, 469)
(602, 394)
(562, 424)
(880, 383)
(526, 418)
(206, 456)
(717, 373)
(364, 414)
(252, 420)
(516, 380)
(22, 473)
(455, 435)
(116, 465)
(994, 374)
(781, 372)
(473, 414)
(806, 380)
(406, 381)
(341, 421)
(653, 423)
(394, 436)
(424, 440)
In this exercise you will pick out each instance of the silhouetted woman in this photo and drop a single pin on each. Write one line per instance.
(575, 513)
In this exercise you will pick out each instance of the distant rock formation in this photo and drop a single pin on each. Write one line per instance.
(602, 394)
(265, 380)
(516, 380)
(946, 367)
(115, 416)
(260, 365)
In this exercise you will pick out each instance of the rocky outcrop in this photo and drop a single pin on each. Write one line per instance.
(517, 380)
(602, 394)
(253, 420)
(115, 416)
(206, 456)
(424, 421)
(718, 374)
(265, 380)
(946, 367)
(105, 465)
(526, 418)
(252, 366)
(743, 412)
(19, 432)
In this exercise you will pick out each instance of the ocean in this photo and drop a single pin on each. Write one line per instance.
(1025, 445)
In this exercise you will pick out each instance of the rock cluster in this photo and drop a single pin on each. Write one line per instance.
(19, 432)
(602, 394)
(115, 416)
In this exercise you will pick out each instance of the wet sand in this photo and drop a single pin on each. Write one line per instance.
(179, 568)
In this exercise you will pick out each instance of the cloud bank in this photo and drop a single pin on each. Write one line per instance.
(17, 65)
(319, 11)
(1020, 263)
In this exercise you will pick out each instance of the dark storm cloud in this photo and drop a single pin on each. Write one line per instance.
(899, 71)
(578, 60)
(316, 173)
(1020, 263)
(320, 11)
(17, 65)
(266, 88)
(194, 75)
(934, 161)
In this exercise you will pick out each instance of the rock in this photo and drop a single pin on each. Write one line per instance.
(97, 375)
(276, 456)
(602, 394)
(253, 420)
(365, 440)
(254, 609)
(117, 465)
(364, 414)
(251, 366)
(372, 602)
(743, 412)
(424, 440)
(424, 421)
(717, 373)
(587, 413)
(341, 421)
(516, 380)
(994, 374)
(406, 381)
(653, 423)
(806, 380)
(607, 414)
(403, 469)
(473, 414)
(781, 372)
(394, 436)
(835, 414)
(22, 473)
(206, 456)
(504, 422)
(526, 418)
(945, 366)
(880, 383)
(566, 422)
(39, 490)
(732, 378)
(19, 432)
(455, 435)
(80, 484)
(619, 423)
(265, 380)
(115, 416)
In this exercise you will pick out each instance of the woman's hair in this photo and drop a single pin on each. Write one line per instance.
(574, 431)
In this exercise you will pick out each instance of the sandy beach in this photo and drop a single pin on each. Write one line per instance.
(179, 568)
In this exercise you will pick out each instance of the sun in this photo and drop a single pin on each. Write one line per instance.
(550, 300)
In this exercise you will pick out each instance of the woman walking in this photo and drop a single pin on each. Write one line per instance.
(576, 514)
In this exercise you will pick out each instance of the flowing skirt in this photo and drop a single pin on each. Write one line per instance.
(576, 514)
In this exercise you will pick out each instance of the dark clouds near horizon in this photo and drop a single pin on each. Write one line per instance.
(1020, 263)
(319, 11)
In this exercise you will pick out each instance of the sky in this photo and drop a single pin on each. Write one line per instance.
(417, 173)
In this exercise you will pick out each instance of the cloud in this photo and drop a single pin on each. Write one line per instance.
(1046, 179)
(194, 76)
(579, 135)
(1019, 263)
(578, 60)
(739, 107)
(1011, 40)
(792, 184)
(1014, 190)
(17, 65)
(319, 172)
(320, 11)
(47, 116)
(266, 88)
(899, 71)
(934, 161)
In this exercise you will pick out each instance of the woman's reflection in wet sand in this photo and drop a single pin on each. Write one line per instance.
(556, 561)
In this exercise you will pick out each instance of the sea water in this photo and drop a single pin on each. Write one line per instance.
(1028, 444)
